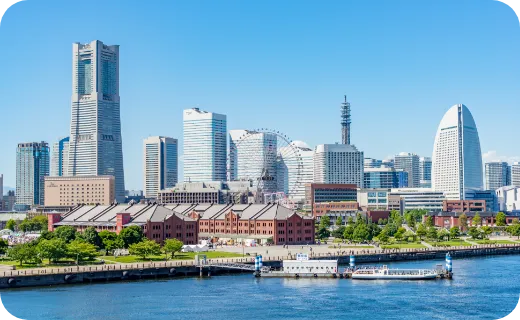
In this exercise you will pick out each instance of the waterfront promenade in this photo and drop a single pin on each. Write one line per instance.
(122, 271)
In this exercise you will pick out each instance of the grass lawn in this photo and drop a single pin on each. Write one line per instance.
(178, 256)
(45, 264)
(452, 243)
(410, 245)
(352, 247)
(495, 242)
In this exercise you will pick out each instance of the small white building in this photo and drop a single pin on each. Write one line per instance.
(508, 199)
(310, 266)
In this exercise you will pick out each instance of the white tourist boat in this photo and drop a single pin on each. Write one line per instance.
(384, 273)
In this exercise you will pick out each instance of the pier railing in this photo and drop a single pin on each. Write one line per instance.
(191, 263)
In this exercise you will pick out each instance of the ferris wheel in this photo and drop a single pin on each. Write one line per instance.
(269, 159)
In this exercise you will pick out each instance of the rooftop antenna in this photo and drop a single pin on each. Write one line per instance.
(345, 122)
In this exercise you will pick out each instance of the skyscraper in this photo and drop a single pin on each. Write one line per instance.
(32, 165)
(457, 158)
(338, 163)
(60, 158)
(515, 174)
(95, 146)
(496, 174)
(372, 163)
(160, 165)
(409, 162)
(425, 172)
(385, 178)
(205, 146)
(252, 156)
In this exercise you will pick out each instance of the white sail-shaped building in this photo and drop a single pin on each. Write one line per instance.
(457, 158)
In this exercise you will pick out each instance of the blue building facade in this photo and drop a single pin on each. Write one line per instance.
(386, 178)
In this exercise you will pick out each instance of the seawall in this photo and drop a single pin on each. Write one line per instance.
(156, 270)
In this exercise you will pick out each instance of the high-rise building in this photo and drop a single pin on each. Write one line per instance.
(252, 157)
(508, 176)
(409, 162)
(160, 165)
(205, 146)
(338, 163)
(496, 174)
(345, 122)
(385, 178)
(388, 163)
(294, 174)
(63, 191)
(9, 201)
(32, 165)
(425, 172)
(457, 158)
(372, 163)
(515, 174)
(95, 146)
(60, 158)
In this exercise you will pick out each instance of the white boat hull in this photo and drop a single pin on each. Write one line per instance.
(394, 277)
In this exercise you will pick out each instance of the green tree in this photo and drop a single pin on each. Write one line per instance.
(380, 221)
(22, 253)
(421, 231)
(339, 222)
(486, 231)
(323, 233)
(110, 241)
(338, 232)
(399, 235)
(477, 220)
(409, 234)
(361, 233)
(463, 221)
(131, 235)
(516, 221)
(350, 221)
(54, 249)
(91, 236)
(432, 234)
(325, 222)
(66, 233)
(11, 224)
(374, 230)
(444, 234)
(429, 221)
(383, 236)
(81, 250)
(454, 232)
(172, 246)
(391, 229)
(145, 248)
(474, 233)
(47, 235)
(349, 232)
(514, 230)
(500, 219)
(4, 245)
(41, 223)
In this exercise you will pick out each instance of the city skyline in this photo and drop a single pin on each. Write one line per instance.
(371, 123)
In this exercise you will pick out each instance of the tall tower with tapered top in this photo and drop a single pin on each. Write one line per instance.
(345, 122)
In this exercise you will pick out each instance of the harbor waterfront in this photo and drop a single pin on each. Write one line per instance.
(137, 271)
(481, 289)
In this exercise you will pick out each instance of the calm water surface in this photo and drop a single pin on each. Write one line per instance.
(483, 288)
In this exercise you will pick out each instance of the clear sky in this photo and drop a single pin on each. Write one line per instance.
(277, 64)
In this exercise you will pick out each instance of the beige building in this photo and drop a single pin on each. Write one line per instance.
(71, 191)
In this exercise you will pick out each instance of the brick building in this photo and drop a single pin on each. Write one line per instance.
(464, 205)
(451, 219)
(192, 222)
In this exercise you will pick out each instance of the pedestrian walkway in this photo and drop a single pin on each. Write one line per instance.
(426, 244)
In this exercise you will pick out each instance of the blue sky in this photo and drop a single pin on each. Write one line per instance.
(278, 64)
